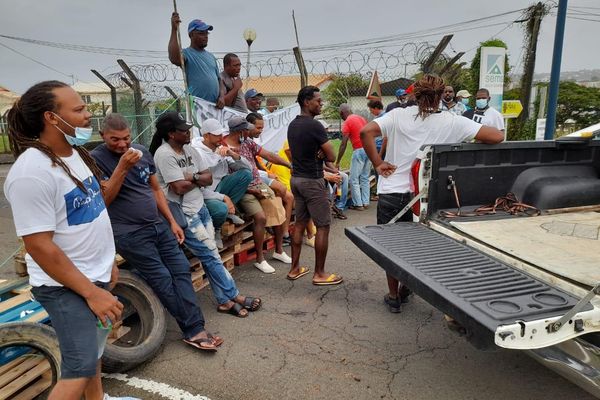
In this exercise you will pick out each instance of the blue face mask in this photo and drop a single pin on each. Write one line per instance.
(82, 135)
(481, 103)
(465, 101)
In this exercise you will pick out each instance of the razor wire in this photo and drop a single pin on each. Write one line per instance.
(394, 64)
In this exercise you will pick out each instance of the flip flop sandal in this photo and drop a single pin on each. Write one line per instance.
(235, 310)
(217, 341)
(249, 303)
(303, 271)
(332, 279)
(393, 304)
(197, 343)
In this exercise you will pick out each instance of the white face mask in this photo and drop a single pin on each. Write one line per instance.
(481, 103)
(82, 135)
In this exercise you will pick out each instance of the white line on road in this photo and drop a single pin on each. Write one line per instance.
(162, 389)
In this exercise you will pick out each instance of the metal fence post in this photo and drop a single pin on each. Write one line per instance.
(113, 91)
(134, 83)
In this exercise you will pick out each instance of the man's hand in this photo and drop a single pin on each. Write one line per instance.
(220, 102)
(175, 21)
(237, 83)
(230, 205)
(320, 154)
(334, 178)
(223, 151)
(129, 158)
(178, 232)
(104, 305)
(256, 193)
(114, 276)
(386, 169)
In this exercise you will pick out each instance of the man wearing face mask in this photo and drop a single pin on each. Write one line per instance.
(483, 113)
(462, 96)
(448, 103)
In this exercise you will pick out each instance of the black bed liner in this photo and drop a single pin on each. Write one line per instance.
(479, 291)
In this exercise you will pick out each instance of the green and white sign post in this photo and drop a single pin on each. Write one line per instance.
(491, 74)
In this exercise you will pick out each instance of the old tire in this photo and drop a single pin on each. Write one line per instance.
(37, 336)
(145, 316)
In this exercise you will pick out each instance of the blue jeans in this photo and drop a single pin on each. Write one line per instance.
(154, 252)
(359, 178)
(341, 203)
(199, 239)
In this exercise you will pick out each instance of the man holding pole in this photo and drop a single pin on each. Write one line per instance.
(201, 71)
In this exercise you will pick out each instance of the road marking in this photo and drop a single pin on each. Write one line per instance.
(162, 389)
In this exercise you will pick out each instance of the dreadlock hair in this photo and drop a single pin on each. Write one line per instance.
(428, 93)
(26, 123)
(162, 133)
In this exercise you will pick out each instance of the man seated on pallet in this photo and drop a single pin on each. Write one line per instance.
(226, 190)
(238, 140)
(147, 242)
(181, 172)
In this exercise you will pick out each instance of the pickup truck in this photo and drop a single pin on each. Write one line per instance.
(505, 240)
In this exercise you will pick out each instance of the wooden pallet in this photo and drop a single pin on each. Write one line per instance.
(246, 251)
(25, 377)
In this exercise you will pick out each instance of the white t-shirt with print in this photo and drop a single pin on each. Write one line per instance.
(406, 133)
(491, 117)
(44, 198)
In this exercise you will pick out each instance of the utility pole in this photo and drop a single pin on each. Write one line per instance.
(559, 36)
(533, 21)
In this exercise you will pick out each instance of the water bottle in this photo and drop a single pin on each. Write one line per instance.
(102, 335)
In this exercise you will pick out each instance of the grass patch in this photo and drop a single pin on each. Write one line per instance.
(345, 161)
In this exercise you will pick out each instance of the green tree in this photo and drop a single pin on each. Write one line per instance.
(340, 90)
(579, 103)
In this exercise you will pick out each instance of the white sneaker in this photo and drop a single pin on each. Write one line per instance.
(218, 239)
(235, 219)
(107, 397)
(284, 258)
(264, 266)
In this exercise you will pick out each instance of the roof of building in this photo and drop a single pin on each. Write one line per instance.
(285, 85)
(8, 94)
(89, 87)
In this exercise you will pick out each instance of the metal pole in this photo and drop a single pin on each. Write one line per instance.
(174, 95)
(188, 108)
(113, 90)
(248, 61)
(134, 83)
(555, 74)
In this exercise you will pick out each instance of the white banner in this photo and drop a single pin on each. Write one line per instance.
(491, 74)
(275, 132)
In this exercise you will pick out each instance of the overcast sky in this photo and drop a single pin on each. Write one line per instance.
(144, 25)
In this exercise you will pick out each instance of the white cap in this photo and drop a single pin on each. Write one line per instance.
(213, 127)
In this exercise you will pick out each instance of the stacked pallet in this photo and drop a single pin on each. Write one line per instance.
(23, 374)
(25, 377)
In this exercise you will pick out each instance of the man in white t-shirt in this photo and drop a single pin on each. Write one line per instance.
(406, 130)
(483, 113)
(58, 209)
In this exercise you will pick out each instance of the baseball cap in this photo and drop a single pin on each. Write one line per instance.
(252, 93)
(463, 93)
(237, 124)
(199, 25)
(400, 92)
(172, 121)
(213, 127)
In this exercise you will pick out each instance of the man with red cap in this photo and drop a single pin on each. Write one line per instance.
(201, 67)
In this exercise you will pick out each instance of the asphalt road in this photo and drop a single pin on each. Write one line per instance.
(340, 342)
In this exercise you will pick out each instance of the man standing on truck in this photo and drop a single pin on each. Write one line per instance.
(406, 130)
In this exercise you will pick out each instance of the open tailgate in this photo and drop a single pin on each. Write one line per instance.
(477, 290)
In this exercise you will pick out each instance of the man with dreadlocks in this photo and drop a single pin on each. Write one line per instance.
(406, 130)
(58, 210)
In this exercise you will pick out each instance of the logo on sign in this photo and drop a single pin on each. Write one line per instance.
(494, 70)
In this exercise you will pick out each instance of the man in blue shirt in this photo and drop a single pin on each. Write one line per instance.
(201, 67)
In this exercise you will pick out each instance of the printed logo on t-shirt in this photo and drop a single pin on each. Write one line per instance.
(84, 207)
(143, 173)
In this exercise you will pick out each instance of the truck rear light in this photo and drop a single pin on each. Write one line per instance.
(414, 175)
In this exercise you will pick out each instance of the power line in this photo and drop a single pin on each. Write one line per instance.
(36, 61)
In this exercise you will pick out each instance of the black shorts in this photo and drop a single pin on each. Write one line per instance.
(76, 327)
(390, 204)
(311, 197)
